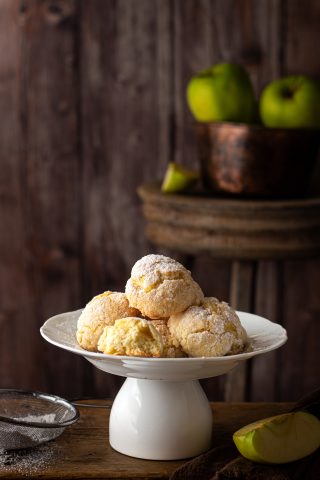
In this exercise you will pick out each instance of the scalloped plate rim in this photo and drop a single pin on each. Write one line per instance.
(186, 360)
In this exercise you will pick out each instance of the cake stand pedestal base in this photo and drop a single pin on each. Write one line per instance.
(160, 420)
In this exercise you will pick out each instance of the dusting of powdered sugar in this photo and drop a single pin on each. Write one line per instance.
(26, 434)
(152, 265)
(47, 418)
(29, 462)
(15, 455)
(212, 329)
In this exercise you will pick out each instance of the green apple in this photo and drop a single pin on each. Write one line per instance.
(222, 93)
(291, 102)
(280, 439)
(178, 178)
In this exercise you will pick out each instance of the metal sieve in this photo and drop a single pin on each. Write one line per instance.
(28, 419)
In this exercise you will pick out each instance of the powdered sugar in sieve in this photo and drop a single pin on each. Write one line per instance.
(28, 419)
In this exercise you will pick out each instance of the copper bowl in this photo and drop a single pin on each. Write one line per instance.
(254, 161)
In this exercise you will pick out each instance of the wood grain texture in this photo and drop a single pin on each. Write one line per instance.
(299, 362)
(126, 94)
(16, 309)
(192, 52)
(301, 23)
(83, 451)
(269, 287)
(52, 176)
(92, 96)
(227, 228)
(242, 297)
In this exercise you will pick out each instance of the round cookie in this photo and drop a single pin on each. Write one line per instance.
(160, 286)
(102, 310)
(210, 330)
(132, 337)
(171, 346)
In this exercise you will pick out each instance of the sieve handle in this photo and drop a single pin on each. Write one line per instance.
(77, 402)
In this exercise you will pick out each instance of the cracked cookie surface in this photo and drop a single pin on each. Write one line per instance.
(160, 286)
(171, 346)
(210, 330)
(102, 310)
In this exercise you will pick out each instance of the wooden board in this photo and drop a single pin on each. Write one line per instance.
(83, 450)
(242, 297)
(301, 280)
(268, 302)
(93, 104)
(120, 144)
(52, 180)
(15, 289)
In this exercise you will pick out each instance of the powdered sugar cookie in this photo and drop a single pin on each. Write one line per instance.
(160, 286)
(210, 330)
(102, 310)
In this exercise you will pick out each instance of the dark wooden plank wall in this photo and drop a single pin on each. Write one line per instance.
(92, 95)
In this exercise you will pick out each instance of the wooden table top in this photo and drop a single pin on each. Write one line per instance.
(83, 450)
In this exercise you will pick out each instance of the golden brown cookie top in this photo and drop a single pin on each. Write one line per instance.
(151, 270)
(160, 286)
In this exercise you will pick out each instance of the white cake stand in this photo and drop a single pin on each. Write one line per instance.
(161, 411)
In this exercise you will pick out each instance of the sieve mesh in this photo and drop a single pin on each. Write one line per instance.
(30, 418)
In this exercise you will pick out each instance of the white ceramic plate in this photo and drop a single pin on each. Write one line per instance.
(264, 336)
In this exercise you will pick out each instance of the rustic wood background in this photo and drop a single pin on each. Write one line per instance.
(92, 104)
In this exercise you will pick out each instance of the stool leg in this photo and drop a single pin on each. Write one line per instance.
(242, 297)
(265, 369)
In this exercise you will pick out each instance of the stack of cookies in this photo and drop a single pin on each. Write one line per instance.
(163, 313)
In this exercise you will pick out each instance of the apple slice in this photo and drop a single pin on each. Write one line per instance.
(178, 178)
(280, 439)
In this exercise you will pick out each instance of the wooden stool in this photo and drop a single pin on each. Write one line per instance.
(244, 231)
